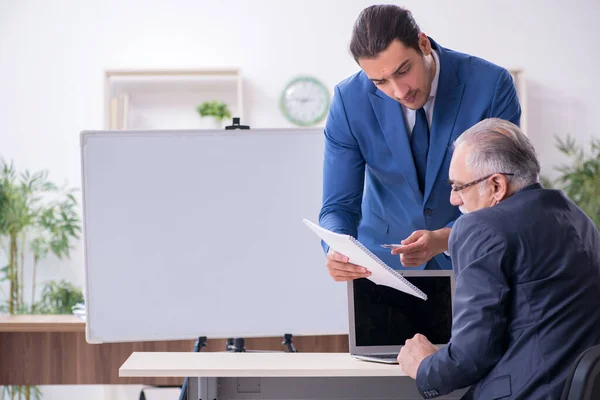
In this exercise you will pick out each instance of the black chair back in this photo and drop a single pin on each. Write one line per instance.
(583, 383)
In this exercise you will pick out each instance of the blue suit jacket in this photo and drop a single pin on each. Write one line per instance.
(370, 187)
(527, 299)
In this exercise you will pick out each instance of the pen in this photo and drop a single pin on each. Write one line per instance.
(390, 246)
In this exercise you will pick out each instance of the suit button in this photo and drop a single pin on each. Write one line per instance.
(428, 212)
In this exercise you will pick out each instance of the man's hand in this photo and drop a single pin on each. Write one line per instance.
(341, 270)
(422, 246)
(413, 352)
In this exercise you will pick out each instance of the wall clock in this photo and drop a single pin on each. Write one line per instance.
(304, 101)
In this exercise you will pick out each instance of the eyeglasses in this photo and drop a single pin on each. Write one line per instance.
(466, 185)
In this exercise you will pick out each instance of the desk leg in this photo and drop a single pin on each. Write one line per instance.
(202, 388)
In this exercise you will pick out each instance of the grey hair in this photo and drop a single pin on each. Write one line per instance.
(500, 146)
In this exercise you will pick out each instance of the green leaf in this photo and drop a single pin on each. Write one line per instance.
(5, 273)
(216, 109)
(579, 179)
(59, 297)
(42, 216)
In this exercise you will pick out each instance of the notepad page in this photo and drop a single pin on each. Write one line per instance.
(381, 273)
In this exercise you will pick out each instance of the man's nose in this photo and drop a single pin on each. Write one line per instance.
(455, 199)
(400, 89)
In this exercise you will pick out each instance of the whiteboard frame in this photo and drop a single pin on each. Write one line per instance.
(87, 134)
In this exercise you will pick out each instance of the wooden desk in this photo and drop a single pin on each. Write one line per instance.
(267, 376)
(51, 350)
(252, 365)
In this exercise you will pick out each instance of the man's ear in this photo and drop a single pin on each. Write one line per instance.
(499, 187)
(424, 44)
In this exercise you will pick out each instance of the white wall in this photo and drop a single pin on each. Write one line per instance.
(53, 54)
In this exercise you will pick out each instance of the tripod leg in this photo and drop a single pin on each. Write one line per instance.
(200, 343)
(287, 342)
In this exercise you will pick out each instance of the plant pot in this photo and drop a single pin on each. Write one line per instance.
(210, 123)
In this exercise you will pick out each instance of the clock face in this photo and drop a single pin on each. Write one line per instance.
(305, 101)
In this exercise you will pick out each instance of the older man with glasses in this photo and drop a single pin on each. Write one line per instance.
(527, 266)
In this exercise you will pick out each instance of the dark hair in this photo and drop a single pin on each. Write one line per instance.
(377, 26)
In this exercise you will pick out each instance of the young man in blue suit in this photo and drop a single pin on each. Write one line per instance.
(527, 267)
(388, 136)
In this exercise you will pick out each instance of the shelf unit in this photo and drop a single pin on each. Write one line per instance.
(518, 76)
(167, 99)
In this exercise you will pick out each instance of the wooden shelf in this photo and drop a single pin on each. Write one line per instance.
(167, 99)
(519, 79)
(41, 323)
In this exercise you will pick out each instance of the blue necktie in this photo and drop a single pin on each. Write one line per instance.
(419, 142)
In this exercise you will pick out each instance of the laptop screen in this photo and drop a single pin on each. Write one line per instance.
(386, 317)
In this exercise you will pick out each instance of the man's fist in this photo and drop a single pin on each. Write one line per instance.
(342, 270)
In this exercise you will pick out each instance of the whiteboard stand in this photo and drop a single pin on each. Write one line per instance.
(198, 345)
(238, 345)
(235, 345)
(236, 125)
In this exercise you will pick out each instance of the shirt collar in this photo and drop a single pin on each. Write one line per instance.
(533, 186)
(436, 78)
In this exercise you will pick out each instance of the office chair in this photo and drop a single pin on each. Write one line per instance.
(583, 383)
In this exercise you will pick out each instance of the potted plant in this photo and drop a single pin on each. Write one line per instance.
(36, 218)
(213, 113)
(579, 179)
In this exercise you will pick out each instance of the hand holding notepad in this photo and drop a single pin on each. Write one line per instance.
(358, 254)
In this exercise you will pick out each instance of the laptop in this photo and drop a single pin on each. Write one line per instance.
(382, 319)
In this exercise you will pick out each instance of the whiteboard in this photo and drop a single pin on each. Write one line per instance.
(200, 233)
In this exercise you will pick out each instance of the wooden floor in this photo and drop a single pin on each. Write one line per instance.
(51, 350)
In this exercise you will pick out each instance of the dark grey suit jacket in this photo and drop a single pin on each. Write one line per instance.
(527, 299)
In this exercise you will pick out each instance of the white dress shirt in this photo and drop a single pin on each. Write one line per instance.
(410, 115)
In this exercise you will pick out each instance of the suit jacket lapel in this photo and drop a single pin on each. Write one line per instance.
(445, 110)
(391, 121)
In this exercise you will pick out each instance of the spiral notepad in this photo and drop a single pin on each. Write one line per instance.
(357, 253)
